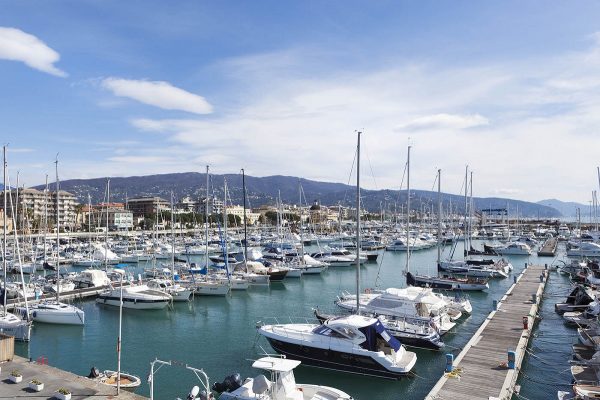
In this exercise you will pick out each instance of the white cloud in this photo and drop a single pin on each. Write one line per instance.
(17, 45)
(159, 94)
(444, 121)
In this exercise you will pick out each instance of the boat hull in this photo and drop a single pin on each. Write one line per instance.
(135, 304)
(333, 360)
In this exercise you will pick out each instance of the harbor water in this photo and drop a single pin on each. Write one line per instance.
(218, 334)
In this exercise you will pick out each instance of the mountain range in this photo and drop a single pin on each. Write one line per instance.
(567, 208)
(266, 190)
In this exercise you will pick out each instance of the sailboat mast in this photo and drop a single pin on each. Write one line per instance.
(46, 191)
(471, 214)
(206, 221)
(358, 225)
(301, 260)
(225, 249)
(466, 207)
(245, 221)
(106, 233)
(172, 239)
(119, 337)
(57, 233)
(408, 211)
(439, 227)
(5, 228)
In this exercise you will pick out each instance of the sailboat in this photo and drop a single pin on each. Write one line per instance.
(444, 282)
(170, 286)
(205, 285)
(10, 324)
(354, 343)
(470, 267)
(53, 311)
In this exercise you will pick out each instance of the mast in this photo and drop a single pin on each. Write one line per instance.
(358, 225)
(225, 249)
(471, 214)
(172, 240)
(439, 222)
(245, 221)
(301, 260)
(119, 337)
(45, 221)
(466, 207)
(106, 233)
(5, 226)
(57, 233)
(408, 211)
(206, 220)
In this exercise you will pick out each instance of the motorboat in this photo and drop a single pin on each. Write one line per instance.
(281, 385)
(91, 278)
(12, 325)
(583, 318)
(139, 297)
(178, 292)
(578, 300)
(416, 334)
(411, 304)
(515, 249)
(354, 343)
(447, 282)
(583, 249)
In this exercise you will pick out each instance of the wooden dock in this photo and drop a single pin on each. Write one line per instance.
(481, 369)
(548, 249)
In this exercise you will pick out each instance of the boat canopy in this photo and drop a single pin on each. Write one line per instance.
(275, 364)
(376, 331)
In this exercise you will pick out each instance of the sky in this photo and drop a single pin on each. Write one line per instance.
(122, 88)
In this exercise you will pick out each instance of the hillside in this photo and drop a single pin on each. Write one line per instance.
(265, 190)
(566, 208)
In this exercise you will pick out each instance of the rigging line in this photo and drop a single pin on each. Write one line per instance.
(402, 182)
(370, 166)
(350, 175)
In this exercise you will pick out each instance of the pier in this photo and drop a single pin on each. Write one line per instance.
(53, 379)
(483, 369)
(548, 249)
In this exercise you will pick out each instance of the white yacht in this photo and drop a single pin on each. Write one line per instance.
(515, 249)
(12, 325)
(281, 385)
(355, 344)
(583, 249)
(178, 292)
(412, 304)
(139, 297)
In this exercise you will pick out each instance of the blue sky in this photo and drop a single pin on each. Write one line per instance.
(140, 87)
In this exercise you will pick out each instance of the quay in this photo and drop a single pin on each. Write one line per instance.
(549, 247)
(488, 366)
(53, 379)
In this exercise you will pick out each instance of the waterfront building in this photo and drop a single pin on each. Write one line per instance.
(147, 206)
(32, 202)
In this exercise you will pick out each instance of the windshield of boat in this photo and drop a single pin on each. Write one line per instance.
(338, 332)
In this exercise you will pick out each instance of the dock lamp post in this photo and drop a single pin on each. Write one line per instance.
(151, 377)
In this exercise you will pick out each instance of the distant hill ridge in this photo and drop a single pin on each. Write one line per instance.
(265, 190)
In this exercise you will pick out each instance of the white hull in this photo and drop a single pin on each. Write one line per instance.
(61, 314)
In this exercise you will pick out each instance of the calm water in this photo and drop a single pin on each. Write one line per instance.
(219, 334)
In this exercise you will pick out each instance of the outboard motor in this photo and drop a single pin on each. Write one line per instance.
(94, 373)
(229, 384)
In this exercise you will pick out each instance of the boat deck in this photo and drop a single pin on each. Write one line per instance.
(549, 247)
(480, 370)
(53, 379)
